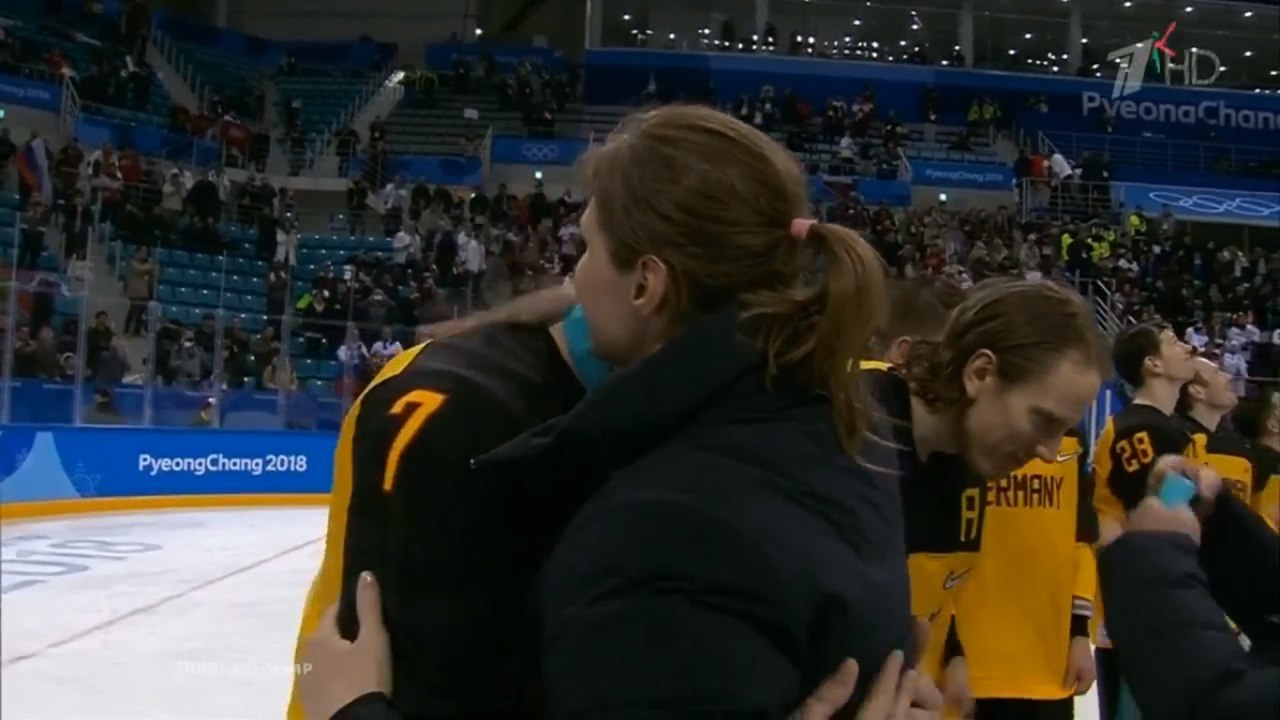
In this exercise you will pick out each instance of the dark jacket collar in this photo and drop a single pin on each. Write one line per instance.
(636, 409)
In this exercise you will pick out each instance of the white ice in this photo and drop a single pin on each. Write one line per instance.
(161, 616)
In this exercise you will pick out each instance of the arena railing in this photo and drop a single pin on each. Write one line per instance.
(1158, 153)
(1069, 201)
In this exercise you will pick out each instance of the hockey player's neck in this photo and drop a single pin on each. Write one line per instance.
(934, 430)
(1158, 393)
(1206, 416)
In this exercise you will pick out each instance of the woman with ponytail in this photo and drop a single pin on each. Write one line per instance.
(718, 547)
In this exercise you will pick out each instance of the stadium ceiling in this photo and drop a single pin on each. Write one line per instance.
(1026, 35)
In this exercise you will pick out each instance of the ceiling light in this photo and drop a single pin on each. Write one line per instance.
(1189, 8)
(672, 36)
(1248, 53)
(1084, 41)
(1012, 51)
(1127, 3)
(1248, 13)
(626, 18)
(857, 22)
(1026, 36)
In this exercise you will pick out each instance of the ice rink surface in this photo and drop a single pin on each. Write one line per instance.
(160, 616)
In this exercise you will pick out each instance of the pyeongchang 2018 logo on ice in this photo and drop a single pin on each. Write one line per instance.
(1157, 53)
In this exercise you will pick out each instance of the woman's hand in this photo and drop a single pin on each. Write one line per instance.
(893, 697)
(1208, 483)
(1154, 516)
(335, 672)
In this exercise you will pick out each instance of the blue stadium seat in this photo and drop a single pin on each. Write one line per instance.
(182, 257)
(319, 388)
(255, 323)
(170, 274)
(165, 294)
(297, 346)
(207, 298)
(306, 368)
(185, 295)
(255, 303)
(329, 370)
(9, 201)
(258, 268)
(231, 301)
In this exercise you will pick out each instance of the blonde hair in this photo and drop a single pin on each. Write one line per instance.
(714, 199)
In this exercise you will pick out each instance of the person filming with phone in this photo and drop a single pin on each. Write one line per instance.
(1186, 573)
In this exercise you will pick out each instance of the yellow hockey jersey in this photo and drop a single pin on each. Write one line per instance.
(943, 507)
(1034, 572)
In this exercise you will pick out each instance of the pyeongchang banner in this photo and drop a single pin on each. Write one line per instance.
(511, 150)
(961, 175)
(1199, 204)
(29, 93)
(41, 464)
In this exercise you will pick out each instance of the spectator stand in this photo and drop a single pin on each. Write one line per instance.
(1205, 258)
(294, 297)
(106, 67)
(314, 89)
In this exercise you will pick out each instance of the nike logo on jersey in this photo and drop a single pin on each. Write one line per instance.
(1063, 457)
(953, 579)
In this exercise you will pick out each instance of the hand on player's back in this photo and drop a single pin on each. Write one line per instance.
(335, 672)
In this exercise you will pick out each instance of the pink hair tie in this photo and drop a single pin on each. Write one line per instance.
(800, 228)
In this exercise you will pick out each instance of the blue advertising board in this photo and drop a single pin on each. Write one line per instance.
(30, 93)
(530, 151)
(1199, 204)
(621, 76)
(965, 176)
(43, 464)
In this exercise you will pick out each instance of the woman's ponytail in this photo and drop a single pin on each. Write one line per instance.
(821, 326)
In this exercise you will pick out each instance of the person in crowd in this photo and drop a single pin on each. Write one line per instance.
(1175, 581)
(651, 300)
(139, 288)
(188, 362)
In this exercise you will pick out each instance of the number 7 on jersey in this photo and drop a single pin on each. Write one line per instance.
(424, 404)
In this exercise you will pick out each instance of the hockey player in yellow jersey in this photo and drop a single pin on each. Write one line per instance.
(1023, 615)
(1156, 364)
(1202, 405)
(1014, 369)
(1258, 420)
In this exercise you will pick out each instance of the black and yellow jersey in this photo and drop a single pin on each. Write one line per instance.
(1032, 587)
(1128, 447)
(1266, 484)
(1226, 453)
(1127, 450)
(450, 548)
(943, 507)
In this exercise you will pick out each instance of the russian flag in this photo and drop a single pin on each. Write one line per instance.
(33, 168)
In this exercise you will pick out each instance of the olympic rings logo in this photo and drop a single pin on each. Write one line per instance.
(540, 152)
(1216, 205)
